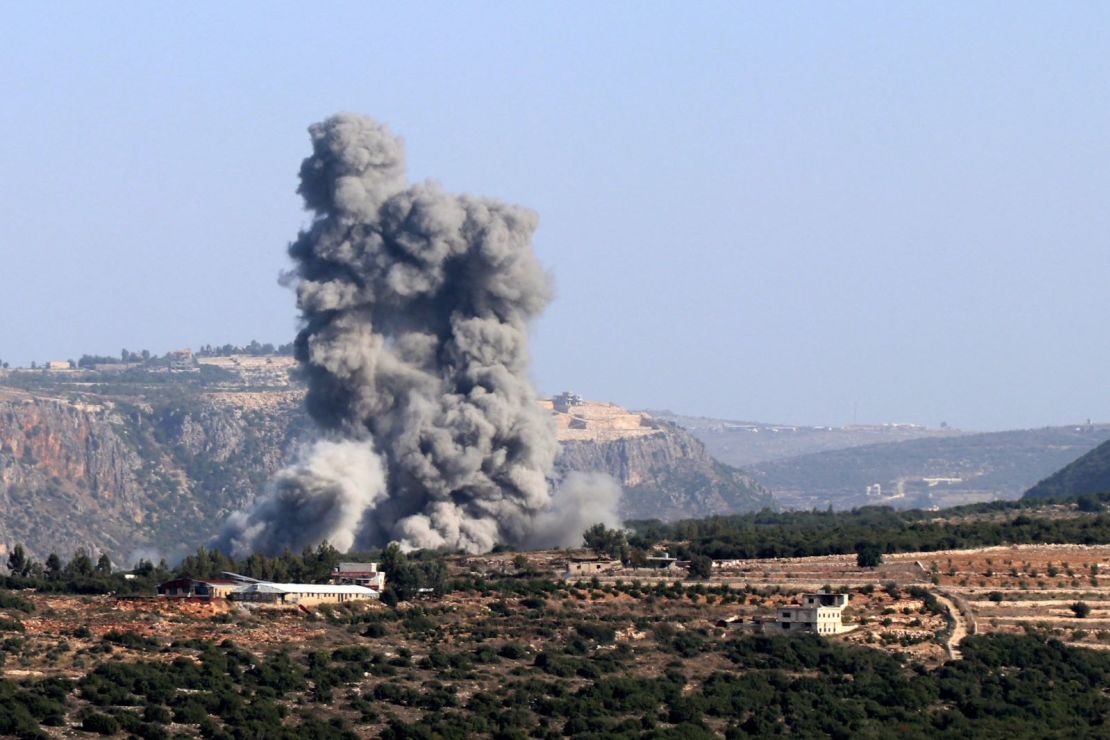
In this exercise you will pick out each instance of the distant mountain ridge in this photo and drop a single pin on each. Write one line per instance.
(745, 443)
(1089, 474)
(926, 473)
(897, 464)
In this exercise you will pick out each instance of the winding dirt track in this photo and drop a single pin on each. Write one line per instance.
(959, 631)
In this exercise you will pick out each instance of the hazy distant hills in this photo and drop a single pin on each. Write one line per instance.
(1089, 474)
(744, 443)
(902, 466)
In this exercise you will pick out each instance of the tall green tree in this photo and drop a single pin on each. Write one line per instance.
(701, 566)
(81, 565)
(869, 555)
(604, 541)
(18, 562)
(104, 565)
(53, 566)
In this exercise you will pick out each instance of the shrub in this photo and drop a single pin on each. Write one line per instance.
(102, 724)
(375, 629)
(132, 640)
(10, 625)
(156, 713)
(12, 601)
(597, 632)
(512, 651)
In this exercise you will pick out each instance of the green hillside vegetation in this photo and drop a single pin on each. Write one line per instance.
(558, 673)
(541, 657)
(770, 534)
(1088, 475)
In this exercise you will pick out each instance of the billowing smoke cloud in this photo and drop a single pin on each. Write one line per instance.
(321, 497)
(581, 501)
(415, 306)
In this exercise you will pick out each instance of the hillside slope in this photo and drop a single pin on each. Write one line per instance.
(136, 476)
(745, 443)
(144, 464)
(1089, 474)
(928, 472)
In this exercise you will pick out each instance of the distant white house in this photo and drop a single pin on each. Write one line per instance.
(820, 612)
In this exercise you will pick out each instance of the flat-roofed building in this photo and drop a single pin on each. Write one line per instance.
(578, 568)
(199, 588)
(359, 574)
(820, 612)
(302, 594)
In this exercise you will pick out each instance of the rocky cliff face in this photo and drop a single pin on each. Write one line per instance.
(67, 468)
(136, 468)
(666, 475)
(143, 476)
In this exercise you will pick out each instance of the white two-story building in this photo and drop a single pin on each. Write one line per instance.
(820, 612)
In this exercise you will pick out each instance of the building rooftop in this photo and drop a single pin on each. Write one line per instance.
(306, 588)
(209, 581)
(356, 568)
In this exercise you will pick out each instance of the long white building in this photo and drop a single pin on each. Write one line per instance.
(303, 594)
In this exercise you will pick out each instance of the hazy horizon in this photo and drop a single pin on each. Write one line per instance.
(792, 214)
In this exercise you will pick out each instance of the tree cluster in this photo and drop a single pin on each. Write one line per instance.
(80, 574)
(874, 530)
(254, 349)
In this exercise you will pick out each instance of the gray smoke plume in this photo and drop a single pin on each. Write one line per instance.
(415, 306)
(321, 497)
(581, 501)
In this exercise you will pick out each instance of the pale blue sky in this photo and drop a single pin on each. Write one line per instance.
(768, 211)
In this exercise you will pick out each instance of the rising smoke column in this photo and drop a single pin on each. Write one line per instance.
(415, 306)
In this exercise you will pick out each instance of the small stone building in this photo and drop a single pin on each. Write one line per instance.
(199, 588)
(587, 568)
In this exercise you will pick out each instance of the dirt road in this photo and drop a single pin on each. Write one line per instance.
(959, 631)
